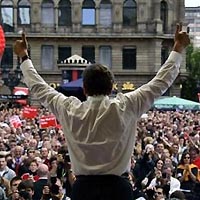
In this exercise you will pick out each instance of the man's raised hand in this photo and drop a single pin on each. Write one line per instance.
(181, 38)
(20, 46)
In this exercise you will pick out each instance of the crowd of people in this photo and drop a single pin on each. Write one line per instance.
(165, 163)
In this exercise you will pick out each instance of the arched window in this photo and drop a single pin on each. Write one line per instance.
(7, 15)
(23, 12)
(163, 14)
(129, 13)
(47, 13)
(64, 13)
(105, 12)
(88, 12)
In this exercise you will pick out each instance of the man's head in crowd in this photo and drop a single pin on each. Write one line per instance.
(43, 170)
(194, 153)
(26, 188)
(14, 183)
(33, 167)
(3, 162)
(18, 151)
(44, 152)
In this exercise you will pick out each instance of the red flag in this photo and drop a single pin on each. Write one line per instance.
(48, 121)
(2, 42)
(30, 112)
(15, 121)
(21, 91)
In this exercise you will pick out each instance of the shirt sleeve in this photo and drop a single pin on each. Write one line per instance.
(45, 94)
(142, 99)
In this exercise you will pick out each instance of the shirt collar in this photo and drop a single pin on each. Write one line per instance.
(97, 98)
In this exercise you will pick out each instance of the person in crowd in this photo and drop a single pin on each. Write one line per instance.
(26, 189)
(32, 171)
(159, 149)
(5, 171)
(15, 181)
(159, 193)
(44, 152)
(177, 195)
(43, 173)
(195, 157)
(175, 154)
(187, 173)
(144, 167)
(17, 162)
(167, 180)
(88, 125)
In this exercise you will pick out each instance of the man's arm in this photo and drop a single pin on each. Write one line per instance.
(48, 96)
(142, 99)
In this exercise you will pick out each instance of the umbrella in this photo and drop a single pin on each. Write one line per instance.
(169, 103)
(73, 88)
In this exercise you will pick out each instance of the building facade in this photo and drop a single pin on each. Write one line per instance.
(132, 37)
(192, 18)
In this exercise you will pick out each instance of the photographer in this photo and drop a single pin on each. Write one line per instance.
(166, 179)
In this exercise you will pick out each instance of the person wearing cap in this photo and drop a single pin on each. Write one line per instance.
(101, 131)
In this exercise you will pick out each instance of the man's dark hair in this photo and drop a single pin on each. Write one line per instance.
(177, 195)
(97, 80)
(25, 184)
(15, 178)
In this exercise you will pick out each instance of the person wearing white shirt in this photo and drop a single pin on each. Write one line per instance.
(100, 131)
(174, 183)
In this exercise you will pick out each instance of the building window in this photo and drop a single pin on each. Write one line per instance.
(47, 13)
(47, 57)
(23, 14)
(163, 14)
(63, 53)
(105, 56)
(7, 59)
(105, 13)
(88, 52)
(164, 54)
(88, 12)
(129, 58)
(64, 13)
(7, 15)
(129, 13)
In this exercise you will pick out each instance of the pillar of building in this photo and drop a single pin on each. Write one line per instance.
(157, 20)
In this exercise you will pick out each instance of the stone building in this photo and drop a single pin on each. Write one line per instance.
(132, 37)
(192, 18)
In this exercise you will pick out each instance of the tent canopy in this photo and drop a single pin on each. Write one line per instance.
(74, 84)
(176, 103)
(73, 88)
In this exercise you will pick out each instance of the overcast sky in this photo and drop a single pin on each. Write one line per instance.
(192, 3)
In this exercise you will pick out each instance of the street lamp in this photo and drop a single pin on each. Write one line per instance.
(11, 78)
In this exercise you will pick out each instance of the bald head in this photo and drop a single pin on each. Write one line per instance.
(43, 170)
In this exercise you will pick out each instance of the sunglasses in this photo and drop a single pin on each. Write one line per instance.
(187, 157)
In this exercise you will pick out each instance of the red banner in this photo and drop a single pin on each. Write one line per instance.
(30, 112)
(21, 91)
(15, 121)
(48, 121)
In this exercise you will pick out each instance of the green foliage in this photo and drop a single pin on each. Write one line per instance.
(191, 86)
